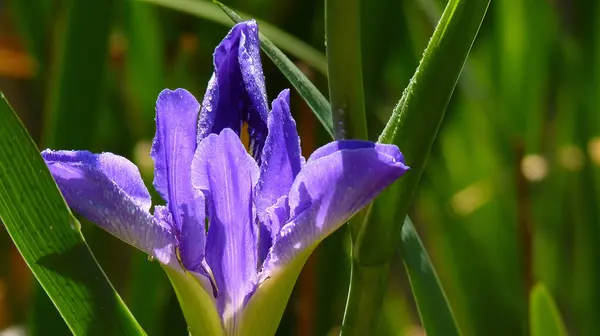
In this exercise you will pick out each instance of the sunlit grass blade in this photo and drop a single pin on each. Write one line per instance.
(49, 238)
(413, 127)
(434, 309)
(544, 317)
(291, 44)
(313, 97)
(342, 33)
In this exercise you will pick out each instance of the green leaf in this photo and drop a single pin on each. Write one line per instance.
(342, 33)
(75, 90)
(49, 238)
(207, 10)
(413, 127)
(144, 51)
(433, 306)
(307, 90)
(544, 317)
(198, 306)
(265, 308)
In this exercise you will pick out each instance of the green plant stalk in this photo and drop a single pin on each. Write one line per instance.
(344, 68)
(76, 86)
(413, 126)
(344, 72)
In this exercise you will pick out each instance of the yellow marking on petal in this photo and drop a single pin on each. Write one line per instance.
(245, 137)
(178, 255)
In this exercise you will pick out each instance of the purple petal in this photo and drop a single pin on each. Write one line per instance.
(335, 146)
(226, 174)
(328, 191)
(172, 150)
(108, 190)
(281, 161)
(236, 92)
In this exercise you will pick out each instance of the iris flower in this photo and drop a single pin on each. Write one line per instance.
(238, 223)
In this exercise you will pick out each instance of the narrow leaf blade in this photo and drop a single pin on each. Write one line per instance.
(342, 32)
(544, 317)
(49, 238)
(433, 306)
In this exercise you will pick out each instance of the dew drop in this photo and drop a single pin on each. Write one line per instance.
(74, 224)
(151, 258)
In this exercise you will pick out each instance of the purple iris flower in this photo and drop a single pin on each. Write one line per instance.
(234, 217)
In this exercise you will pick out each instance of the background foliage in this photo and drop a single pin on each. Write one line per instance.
(510, 195)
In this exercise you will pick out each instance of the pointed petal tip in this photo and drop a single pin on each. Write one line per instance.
(247, 26)
(284, 95)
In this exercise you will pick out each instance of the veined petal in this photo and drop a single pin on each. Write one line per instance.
(281, 161)
(236, 93)
(226, 174)
(328, 191)
(172, 150)
(108, 190)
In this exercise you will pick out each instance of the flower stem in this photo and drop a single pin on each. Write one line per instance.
(413, 126)
(342, 34)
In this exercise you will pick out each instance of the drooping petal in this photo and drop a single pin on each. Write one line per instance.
(226, 174)
(108, 190)
(328, 191)
(236, 93)
(172, 150)
(281, 161)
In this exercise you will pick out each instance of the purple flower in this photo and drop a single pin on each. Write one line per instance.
(234, 219)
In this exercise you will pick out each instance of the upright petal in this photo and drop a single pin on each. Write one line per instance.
(226, 174)
(108, 190)
(281, 161)
(328, 191)
(172, 150)
(236, 92)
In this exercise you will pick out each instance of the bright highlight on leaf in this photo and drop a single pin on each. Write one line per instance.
(544, 316)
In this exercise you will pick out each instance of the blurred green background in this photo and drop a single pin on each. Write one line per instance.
(510, 196)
